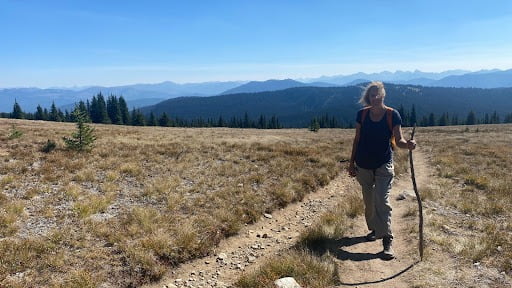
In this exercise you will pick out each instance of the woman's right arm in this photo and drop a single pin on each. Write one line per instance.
(351, 166)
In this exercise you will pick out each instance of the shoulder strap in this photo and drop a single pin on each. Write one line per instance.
(364, 113)
(389, 113)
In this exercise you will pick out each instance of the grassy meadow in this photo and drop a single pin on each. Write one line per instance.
(467, 211)
(145, 198)
(148, 198)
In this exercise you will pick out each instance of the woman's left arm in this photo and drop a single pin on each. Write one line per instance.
(400, 140)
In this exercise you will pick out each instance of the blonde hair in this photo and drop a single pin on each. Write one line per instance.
(365, 97)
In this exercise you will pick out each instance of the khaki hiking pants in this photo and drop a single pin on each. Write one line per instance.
(376, 186)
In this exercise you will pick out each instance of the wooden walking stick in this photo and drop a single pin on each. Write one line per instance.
(420, 206)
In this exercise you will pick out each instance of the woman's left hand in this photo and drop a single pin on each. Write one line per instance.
(411, 144)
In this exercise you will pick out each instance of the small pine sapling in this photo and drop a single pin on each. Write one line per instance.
(314, 126)
(15, 133)
(83, 138)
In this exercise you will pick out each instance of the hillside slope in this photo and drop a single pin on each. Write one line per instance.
(295, 107)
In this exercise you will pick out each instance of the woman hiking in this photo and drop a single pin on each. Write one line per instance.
(378, 127)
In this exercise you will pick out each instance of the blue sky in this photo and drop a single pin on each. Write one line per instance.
(78, 43)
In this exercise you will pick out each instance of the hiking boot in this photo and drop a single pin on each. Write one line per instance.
(388, 253)
(371, 236)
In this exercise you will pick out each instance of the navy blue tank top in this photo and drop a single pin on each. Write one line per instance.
(374, 147)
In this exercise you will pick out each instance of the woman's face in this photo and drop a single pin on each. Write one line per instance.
(376, 98)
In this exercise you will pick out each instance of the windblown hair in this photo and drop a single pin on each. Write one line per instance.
(365, 97)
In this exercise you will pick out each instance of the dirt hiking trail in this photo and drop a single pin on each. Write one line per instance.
(359, 261)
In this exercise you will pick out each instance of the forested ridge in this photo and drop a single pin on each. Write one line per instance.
(299, 107)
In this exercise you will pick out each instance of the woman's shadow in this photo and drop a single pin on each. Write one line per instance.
(336, 247)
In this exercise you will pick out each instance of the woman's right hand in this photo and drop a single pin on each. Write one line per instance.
(352, 170)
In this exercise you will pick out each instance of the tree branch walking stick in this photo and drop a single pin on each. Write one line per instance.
(420, 206)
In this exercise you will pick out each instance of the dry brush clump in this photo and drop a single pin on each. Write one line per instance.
(144, 198)
(307, 269)
(473, 207)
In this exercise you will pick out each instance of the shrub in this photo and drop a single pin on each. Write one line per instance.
(83, 139)
(49, 146)
(15, 133)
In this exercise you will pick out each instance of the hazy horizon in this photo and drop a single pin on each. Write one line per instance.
(305, 80)
(112, 43)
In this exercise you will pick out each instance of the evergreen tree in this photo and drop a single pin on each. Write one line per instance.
(152, 119)
(508, 118)
(221, 122)
(495, 118)
(93, 110)
(413, 119)
(455, 120)
(17, 113)
(83, 139)
(99, 110)
(39, 113)
(88, 105)
(123, 109)
(83, 108)
(274, 122)
(67, 116)
(46, 114)
(54, 113)
(262, 122)
(137, 118)
(164, 120)
(431, 120)
(471, 119)
(113, 110)
(443, 120)
(246, 123)
(334, 123)
(314, 125)
(424, 121)
(403, 114)
(62, 117)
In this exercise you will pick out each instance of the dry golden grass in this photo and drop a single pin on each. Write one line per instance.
(471, 204)
(145, 198)
(467, 216)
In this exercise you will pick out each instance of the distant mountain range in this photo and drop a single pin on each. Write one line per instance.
(273, 85)
(385, 76)
(140, 95)
(137, 95)
(269, 85)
